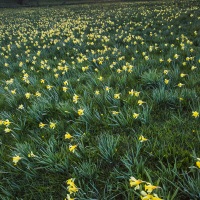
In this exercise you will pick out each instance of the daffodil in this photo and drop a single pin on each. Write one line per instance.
(7, 130)
(65, 82)
(166, 71)
(198, 163)
(180, 85)
(193, 68)
(68, 135)
(13, 91)
(131, 92)
(115, 112)
(135, 115)
(117, 96)
(195, 114)
(42, 125)
(166, 81)
(119, 71)
(21, 107)
(146, 196)
(31, 154)
(72, 188)
(149, 188)
(100, 78)
(140, 102)
(7, 123)
(64, 89)
(70, 181)
(176, 56)
(183, 75)
(135, 183)
(28, 95)
(97, 92)
(38, 94)
(52, 125)
(72, 148)
(107, 88)
(75, 98)
(169, 60)
(142, 138)
(136, 93)
(69, 198)
(80, 112)
(16, 159)
(49, 87)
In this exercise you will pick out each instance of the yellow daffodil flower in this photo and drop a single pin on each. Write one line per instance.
(41, 125)
(117, 96)
(107, 88)
(198, 163)
(142, 138)
(52, 125)
(49, 87)
(6, 123)
(75, 98)
(166, 81)
(183, 75)
(80, 112)
(97, 92)
(166, 71)
(100, 78)
(135, 183)
(38, 94)
(146, 196)
(136, 93)
(68, 136)
(195, 114)
(21, 107)
(140, 102)
(28, 95)
(31, 154)
(7, 130)
(131, 92)
(180, 85)
(69, 198)
(115, 112)
(135, 115)
(13, 91)
(149, 188)
(16, 159)
(64, 89)
(72, 148)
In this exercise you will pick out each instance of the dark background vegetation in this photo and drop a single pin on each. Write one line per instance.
(19, 3)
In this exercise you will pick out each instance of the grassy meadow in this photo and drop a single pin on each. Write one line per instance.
(100, 102)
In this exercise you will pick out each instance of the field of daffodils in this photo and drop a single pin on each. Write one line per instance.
(100, 102)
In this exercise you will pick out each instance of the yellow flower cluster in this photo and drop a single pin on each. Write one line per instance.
(145, 190)
(72, 188)
(6, 123)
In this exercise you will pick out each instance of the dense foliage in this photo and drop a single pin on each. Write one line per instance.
(100, 102)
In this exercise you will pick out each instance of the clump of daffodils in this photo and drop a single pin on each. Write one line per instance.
(145, 188)
(72, 189)
(6, 123)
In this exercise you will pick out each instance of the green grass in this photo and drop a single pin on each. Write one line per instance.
(101, 60)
